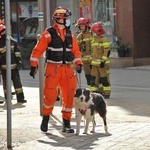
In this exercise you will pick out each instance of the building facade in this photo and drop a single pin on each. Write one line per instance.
(126, 23)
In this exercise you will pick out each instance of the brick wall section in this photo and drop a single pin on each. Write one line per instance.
(141, 28)
(125, 22)
(133, 25)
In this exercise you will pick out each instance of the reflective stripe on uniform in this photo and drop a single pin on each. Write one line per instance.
(84, 40)
(96, 44)
(107, 62)
(13, 66)
(76, 59)
(47, 107)
(58, 49)
(106, 88)
(104, 58)
(108, 71)
(100, 85)
(12, 47)
(96, 62)
(47, 35)
(66, 109)
(18, 54)
(34, 59)
(94, 88)
(106, 44)
(3, 50)
(19, 90)
(58, 62)
(86, 58)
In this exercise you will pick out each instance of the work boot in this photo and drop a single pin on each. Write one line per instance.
(66, 126)
(13, 93)
(21, 101)
(44, 124)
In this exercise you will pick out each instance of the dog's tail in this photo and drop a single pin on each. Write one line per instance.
(100, 105)
(101, 109)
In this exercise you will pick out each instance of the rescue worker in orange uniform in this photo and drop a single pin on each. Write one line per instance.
(61, 50)
(100, 56)
(84, 42)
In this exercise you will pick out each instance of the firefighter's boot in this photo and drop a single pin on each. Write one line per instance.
(66, 126)
(44, 124)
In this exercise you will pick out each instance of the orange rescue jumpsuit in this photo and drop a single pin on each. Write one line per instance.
(57, 74)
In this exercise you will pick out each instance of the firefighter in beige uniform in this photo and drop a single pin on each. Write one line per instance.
(84, 42)
(100, 46)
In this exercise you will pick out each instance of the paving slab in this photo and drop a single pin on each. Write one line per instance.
(128, 117)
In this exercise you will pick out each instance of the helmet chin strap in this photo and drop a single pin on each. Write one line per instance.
(60, 22)
(84, 29)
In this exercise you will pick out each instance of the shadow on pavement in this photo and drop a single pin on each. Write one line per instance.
(135, 102)
(73, 141)
(13, 106)
(85, 141)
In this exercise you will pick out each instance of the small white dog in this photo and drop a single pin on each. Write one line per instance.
(86, 104)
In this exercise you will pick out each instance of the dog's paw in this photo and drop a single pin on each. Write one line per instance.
(84, 132)
(76, 134)
(92, 131)
(107, 133)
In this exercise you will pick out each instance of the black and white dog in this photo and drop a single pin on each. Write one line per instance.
(86, 105)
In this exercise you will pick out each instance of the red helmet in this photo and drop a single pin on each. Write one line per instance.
(2, 28)
(97, 28)
(82, 21)
(61, 12)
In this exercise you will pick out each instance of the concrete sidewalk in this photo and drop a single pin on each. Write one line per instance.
(128, 117)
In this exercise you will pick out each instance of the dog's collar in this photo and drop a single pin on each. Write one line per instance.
(83, 111)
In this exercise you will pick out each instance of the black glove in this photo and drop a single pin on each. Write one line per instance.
(33, 71)
(79, 68)
(102, 64)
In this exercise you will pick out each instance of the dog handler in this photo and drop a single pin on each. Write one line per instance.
(61, 50)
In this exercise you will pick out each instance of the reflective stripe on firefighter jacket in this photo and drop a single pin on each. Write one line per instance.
(15, 54)
(84, 42)
(100, 49)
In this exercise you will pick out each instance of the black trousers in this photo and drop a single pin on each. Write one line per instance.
(15, 77)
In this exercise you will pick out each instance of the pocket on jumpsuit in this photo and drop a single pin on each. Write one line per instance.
(72, 78)
(50, 77)
(50, 92)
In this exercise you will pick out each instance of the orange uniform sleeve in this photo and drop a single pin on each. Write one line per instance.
(40, 48)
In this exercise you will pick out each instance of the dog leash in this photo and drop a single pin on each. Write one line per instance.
(79, 79)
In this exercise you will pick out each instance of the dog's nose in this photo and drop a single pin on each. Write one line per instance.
(81, 98)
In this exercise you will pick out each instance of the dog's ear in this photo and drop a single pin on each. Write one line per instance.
(77, 92)
(88, 91)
